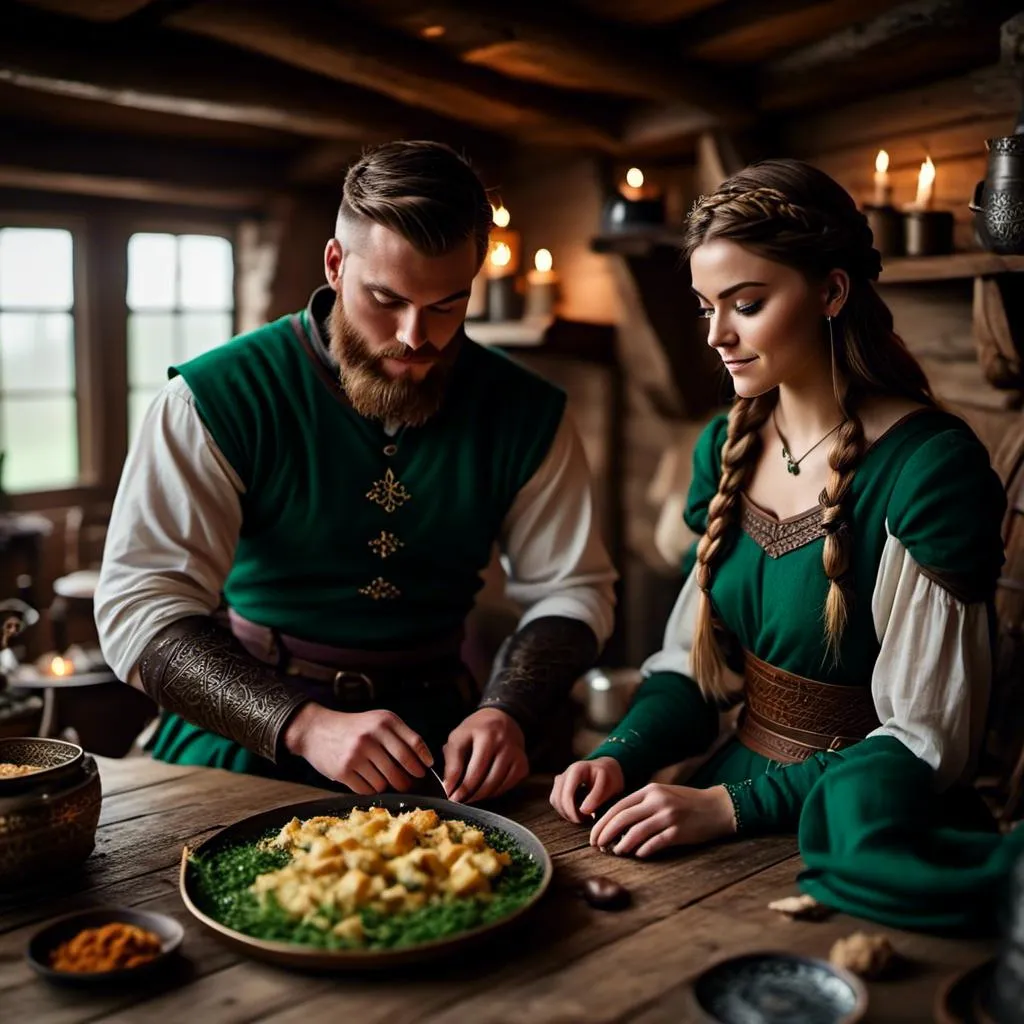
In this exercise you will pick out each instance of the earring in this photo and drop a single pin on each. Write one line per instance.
(831, 338)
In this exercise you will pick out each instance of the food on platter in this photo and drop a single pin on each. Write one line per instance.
(367, 880)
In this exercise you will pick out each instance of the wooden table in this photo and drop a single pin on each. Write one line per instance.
(566, 963)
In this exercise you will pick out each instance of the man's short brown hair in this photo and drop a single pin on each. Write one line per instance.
(423, 191)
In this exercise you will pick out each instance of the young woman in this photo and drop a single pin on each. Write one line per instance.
(850, 544)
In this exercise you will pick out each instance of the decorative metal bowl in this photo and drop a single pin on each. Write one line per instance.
(779, 988)
(56, 760)
(48, 818)
(293, 954)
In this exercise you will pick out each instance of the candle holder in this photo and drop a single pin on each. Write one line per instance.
(887, 229)
(623, 214)
(476, 308)
(504, 301)
(928, 232)
(541, 299)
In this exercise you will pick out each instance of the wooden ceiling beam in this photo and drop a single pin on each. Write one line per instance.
(660, 128)
(174, 172)
(549, 43)
(738, 32)
(916, 41)
(975, 98)
(191, 77)
(407, 70)
(94, 10)
(650, 12)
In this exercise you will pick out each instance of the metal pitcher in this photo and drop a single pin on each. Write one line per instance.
(998, 203)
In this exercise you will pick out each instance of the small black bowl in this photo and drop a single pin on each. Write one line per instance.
(779, 988)
(44, 942)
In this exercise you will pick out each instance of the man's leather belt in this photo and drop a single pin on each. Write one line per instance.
(357, 676)
(789, 717)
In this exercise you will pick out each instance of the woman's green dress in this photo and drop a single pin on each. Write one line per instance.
(886, 827)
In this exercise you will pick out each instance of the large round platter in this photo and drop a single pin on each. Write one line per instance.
(310, 957)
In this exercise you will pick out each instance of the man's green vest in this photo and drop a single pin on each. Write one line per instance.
(349, 536)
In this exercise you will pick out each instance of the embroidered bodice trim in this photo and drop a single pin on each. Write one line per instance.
(777, 537)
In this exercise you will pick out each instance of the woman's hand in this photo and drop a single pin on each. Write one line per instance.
(602, 778)
(659, 816)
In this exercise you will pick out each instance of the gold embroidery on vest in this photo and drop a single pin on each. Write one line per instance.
(389, 492)
(386, 544)
(380, 589)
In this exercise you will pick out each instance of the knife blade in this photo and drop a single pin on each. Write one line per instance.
(440, 782)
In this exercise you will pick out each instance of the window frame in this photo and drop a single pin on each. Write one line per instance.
(78, 227)
(100, 231)
(178, 226)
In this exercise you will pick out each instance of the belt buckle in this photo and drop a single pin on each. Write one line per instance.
(353, 686)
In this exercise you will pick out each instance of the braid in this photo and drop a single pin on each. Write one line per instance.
(739, 455)
(756, 203)
(763, 209)
(843, 459)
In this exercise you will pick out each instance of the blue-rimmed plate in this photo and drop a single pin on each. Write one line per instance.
(779, 988)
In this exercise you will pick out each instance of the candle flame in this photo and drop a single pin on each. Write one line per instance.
(501, 255)
(634, 177)
(882, 161)
(925, 182)
(542, 260)
(60, 666)
(501, 217)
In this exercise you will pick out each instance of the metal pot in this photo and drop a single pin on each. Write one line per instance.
(998, 203)
(608, 695)
(47, 819)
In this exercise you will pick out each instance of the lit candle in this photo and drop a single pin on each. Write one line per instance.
(541, 286)
(925, 185)
(500, 260)
(60, 666)
(634, 186)
(505, 243)
(883, 190)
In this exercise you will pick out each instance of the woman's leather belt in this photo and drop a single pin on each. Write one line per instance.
(789, 717)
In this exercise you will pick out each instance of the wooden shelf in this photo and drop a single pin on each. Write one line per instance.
(528, 332)
(896, 270)
(908, 269)
(638, 241)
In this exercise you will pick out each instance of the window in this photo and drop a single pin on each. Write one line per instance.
(180, 304)
(38, 407)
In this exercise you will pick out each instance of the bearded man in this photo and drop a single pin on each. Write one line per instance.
(340, 478)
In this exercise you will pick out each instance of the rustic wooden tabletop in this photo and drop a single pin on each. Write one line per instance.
(567, 962)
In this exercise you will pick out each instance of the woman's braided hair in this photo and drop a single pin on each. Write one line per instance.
(791, 213)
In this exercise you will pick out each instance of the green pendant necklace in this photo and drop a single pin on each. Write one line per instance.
(793, 465)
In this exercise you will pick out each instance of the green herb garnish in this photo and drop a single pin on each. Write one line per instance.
(223, 879)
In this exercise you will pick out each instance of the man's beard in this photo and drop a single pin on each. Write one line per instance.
(370, 390)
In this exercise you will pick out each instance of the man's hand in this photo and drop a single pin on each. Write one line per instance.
(369, 752)
(487, 752)
(660, 816)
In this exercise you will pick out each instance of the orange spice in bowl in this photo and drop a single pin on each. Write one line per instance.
(111, 947)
